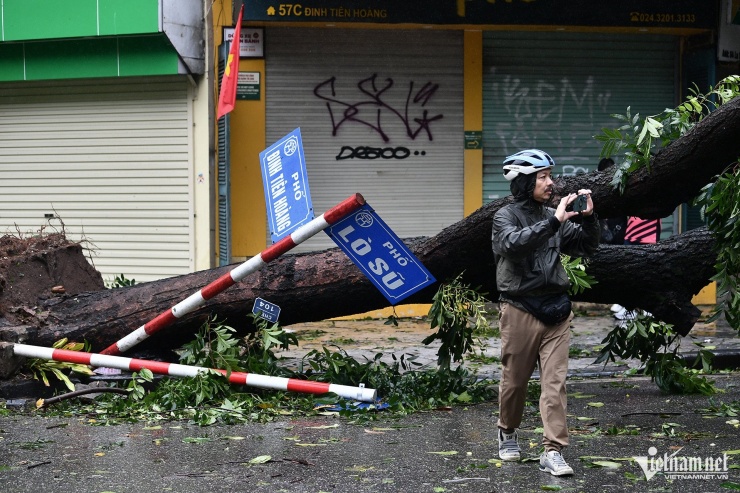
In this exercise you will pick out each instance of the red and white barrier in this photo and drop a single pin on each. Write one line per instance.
(176, 370)
(196, 300)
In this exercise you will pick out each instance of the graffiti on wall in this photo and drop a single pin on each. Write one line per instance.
(570, 170)
(559, 116)
(367, 152)
(371, 107)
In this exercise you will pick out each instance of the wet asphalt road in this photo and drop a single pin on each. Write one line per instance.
(611, 420)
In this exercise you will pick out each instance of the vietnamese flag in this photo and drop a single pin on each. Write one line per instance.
(227, 94)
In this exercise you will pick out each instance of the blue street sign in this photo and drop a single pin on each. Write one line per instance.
(268, 311)
(380, 254)
(284, 178)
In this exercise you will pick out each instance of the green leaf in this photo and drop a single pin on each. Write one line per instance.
(260, 459)
(653, 126)
(64, 378)
(464, 397)
(146, 374)
(196, 440)
(607, 464)
(581, 395)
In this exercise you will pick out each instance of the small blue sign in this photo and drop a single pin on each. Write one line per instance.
(285, 180)
(266, 310)
(380, 254)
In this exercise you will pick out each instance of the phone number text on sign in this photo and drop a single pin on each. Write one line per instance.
(380, 254)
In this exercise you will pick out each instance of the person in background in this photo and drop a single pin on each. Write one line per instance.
(535, 314)
(639, 232)
(612, 233)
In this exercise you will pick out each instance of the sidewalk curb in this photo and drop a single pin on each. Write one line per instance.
(724, 359)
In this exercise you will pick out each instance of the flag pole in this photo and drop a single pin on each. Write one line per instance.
(196, 300)
(362, 394)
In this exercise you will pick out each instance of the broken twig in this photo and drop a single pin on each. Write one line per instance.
(51, 400)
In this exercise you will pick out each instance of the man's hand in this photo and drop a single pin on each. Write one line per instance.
(563, 215)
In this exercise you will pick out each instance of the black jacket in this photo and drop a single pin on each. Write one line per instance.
(527, 241)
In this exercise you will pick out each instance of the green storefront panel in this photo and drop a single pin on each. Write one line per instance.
(69, 59)
(11, 61)
(555, 91)
(85, 58)
(129, 17)
(147, 55)
(42, 19)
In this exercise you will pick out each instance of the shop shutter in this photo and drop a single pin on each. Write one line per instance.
(106, 161)
(555, 91)
(415, 102)
(224, 172)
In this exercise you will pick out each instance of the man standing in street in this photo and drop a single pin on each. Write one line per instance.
(535, 312)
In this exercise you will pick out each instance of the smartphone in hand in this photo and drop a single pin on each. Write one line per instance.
(580, 203)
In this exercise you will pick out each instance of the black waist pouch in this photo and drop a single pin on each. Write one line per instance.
(550, 309)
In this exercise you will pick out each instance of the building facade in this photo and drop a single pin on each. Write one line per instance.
(415, 104)
(108, 129)
(104, 134)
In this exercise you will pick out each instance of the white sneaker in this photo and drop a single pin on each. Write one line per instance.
(508, 445)
(625, 314)
(554, 463)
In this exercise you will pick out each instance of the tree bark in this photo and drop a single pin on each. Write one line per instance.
(659, 278)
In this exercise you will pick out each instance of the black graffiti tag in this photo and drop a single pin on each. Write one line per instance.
(370, 109)
(367, 152)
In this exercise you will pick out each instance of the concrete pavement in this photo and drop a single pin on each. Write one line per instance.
(593, 322)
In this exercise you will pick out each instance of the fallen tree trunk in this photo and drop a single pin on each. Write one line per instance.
(660, 278)
(308, 287)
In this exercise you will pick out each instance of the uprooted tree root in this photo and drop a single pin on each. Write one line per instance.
(39, 266)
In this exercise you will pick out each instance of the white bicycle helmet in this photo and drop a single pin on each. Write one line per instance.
(526, 162)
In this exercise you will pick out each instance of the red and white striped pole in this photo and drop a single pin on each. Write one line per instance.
(196, 300)
(176, 370)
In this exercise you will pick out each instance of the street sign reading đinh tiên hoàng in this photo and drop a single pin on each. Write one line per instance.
(285, 181)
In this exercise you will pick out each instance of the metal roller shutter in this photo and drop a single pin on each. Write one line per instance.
(415, 101)
(111, 160)
(555, 91)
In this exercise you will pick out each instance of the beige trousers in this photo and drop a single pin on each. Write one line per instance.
(525, 341)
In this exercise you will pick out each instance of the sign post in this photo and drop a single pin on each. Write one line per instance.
(359, 393)
(199, 298)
